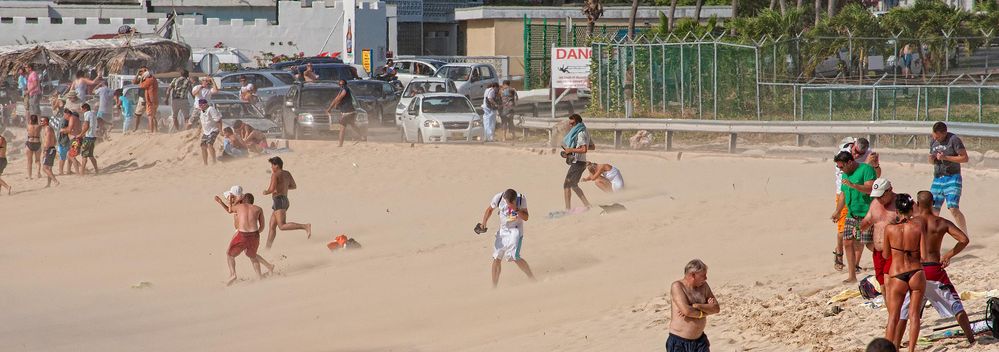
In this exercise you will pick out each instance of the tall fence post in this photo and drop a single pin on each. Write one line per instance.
(830, 104)
(759, 109)
(683, 86)
(662, 49)
(714, 83)
(700, 94)
(652, 92)
(527, 53)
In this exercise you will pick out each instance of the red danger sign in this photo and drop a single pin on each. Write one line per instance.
(572, 53)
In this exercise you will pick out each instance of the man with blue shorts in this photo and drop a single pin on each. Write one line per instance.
(947, 153)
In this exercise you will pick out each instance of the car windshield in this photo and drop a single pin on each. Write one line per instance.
(238, 111)
(454, 73)
(318, 98)
(415, 88)
(334, 73)
(366, 89)
(447, 105)
(285, 78)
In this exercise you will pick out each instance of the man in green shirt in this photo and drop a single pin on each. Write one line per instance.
(858, 180)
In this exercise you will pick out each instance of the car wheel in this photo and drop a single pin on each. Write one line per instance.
(419, 137)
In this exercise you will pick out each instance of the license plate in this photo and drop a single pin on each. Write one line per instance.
(457, 135)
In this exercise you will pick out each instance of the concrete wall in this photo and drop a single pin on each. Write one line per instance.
(306, 28)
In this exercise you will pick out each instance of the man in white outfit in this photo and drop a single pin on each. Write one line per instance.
(490, 105)
(510, 236)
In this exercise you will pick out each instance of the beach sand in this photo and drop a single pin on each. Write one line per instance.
(422, 281)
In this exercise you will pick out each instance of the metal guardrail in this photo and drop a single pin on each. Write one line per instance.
(733, 128)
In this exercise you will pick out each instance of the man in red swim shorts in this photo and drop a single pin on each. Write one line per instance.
(248, 220)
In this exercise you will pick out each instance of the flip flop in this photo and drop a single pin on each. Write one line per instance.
(838, 261)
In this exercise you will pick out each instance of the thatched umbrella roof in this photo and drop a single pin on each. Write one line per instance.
(159, 54)
(39, 55)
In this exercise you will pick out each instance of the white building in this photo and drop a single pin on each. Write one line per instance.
(308, 27)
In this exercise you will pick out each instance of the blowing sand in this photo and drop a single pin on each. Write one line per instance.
(72, 253)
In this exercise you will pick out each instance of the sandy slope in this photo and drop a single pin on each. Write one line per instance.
(421, 283)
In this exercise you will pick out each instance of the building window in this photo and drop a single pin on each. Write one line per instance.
(6, 20)
(104, 20)
(31, 20)
(128, 21)
(55, 20)
(80, 20)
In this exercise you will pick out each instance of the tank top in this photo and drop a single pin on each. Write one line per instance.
(611, 174)
(347, 104)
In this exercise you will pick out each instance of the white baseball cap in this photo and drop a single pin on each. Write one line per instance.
(234, 191)
(880, 186)
(845, 142)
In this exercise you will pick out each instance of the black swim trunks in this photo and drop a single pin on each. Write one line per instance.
(50, 155)
(678, 344)
(280, 203)
(575, 173)
(3, 165)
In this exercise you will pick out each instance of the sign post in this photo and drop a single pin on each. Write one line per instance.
(570, 70)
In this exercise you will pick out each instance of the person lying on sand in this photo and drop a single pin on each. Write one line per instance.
(691, 303)
(605, 176)
(248, 219)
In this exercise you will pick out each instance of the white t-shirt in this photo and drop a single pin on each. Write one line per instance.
(485, 97)
(247, 88)
(508, 214)
(91, 117)
(209, 119)
(204, 93)
(582, 141)
(106, 101)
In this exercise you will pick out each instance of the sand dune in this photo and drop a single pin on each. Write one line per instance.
(421, 282)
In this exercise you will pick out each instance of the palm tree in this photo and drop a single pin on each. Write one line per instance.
(832, 8)
(818, 11)
(593, 10)
(697, 11)
(672, 14)
(631, 19)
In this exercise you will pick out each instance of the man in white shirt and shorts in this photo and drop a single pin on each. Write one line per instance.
(510, 236)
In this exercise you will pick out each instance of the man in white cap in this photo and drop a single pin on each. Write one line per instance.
(233, 196)
(881, 213)
(249, 219)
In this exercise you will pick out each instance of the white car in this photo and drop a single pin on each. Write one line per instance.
(441, 117)
(420, 86)
(407, 70)
(470, 78)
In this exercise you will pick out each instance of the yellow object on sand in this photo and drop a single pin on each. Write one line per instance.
(970, 295)
(845, 295)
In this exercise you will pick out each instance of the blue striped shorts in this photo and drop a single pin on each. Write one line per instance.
(947, 188)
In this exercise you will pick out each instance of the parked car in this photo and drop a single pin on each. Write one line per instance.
(409, 69)
(470, 78)
(272, 86)
(133, 93)
(305, 111)
(420, 86)
(235, 109)
(441, 117)
(331, 72)
(378, 98)
(284, 65)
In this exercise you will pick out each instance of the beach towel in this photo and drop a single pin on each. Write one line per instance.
(570, 137)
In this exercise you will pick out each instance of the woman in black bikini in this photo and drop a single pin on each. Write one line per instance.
(904, 238)
(34, 145)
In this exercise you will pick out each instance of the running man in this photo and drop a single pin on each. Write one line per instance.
(49, 146)
(248, 220)
(691, 303)
(3, 163)
(510, 236)
(211, 123)
(89, 132)
(858, 181)
(605, 176)
(281, 183)
(947, 153)
(575, 145)
(939, 290)
(344, 103)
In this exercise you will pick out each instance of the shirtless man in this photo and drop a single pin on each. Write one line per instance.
(248, 220)
(49, 147)
(881, 213)
(692, 301)
(74, 130)
(904, 241)
(939, 290)
(3, 163)
(281, 183)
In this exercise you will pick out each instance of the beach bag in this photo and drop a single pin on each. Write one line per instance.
(992, 315)
(869, 287)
